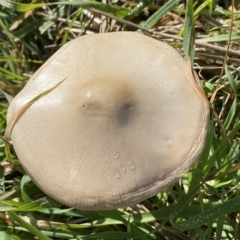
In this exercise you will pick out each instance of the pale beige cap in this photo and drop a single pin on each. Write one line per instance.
(128, 121)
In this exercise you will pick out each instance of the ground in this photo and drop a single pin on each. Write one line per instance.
(205, 203)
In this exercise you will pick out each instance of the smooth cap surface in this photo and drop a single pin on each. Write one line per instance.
(128, 121)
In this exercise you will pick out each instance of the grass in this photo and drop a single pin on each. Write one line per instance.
(205, 203)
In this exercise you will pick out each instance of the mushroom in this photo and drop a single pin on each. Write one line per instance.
(128, 121)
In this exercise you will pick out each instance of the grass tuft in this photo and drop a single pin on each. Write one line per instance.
(205, 203)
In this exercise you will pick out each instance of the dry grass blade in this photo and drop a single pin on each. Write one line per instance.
(226, 54)
(125, 22)
(30, 37)
(23, 109)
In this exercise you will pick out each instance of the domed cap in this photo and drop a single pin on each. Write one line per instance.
(128, 120)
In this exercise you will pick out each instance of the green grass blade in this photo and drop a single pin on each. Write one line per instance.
(58, 11)
(27, 226)
(14, 59)
(169, 5)
(231, 81)
(219, 38)
(25, 197)
(37, 205)
(5, 236)
(202, 6)
(203, 218)
(66, 34)
(10, 75)
(6, 95)
(231, 114)
(138, 9)
(189, 31)
(115, 215)
(28, 28)
(204, 156)
(219, 230)
(22, 7)
(221, 148)
(113, 235)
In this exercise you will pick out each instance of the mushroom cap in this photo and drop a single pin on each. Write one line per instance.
(128, 121)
